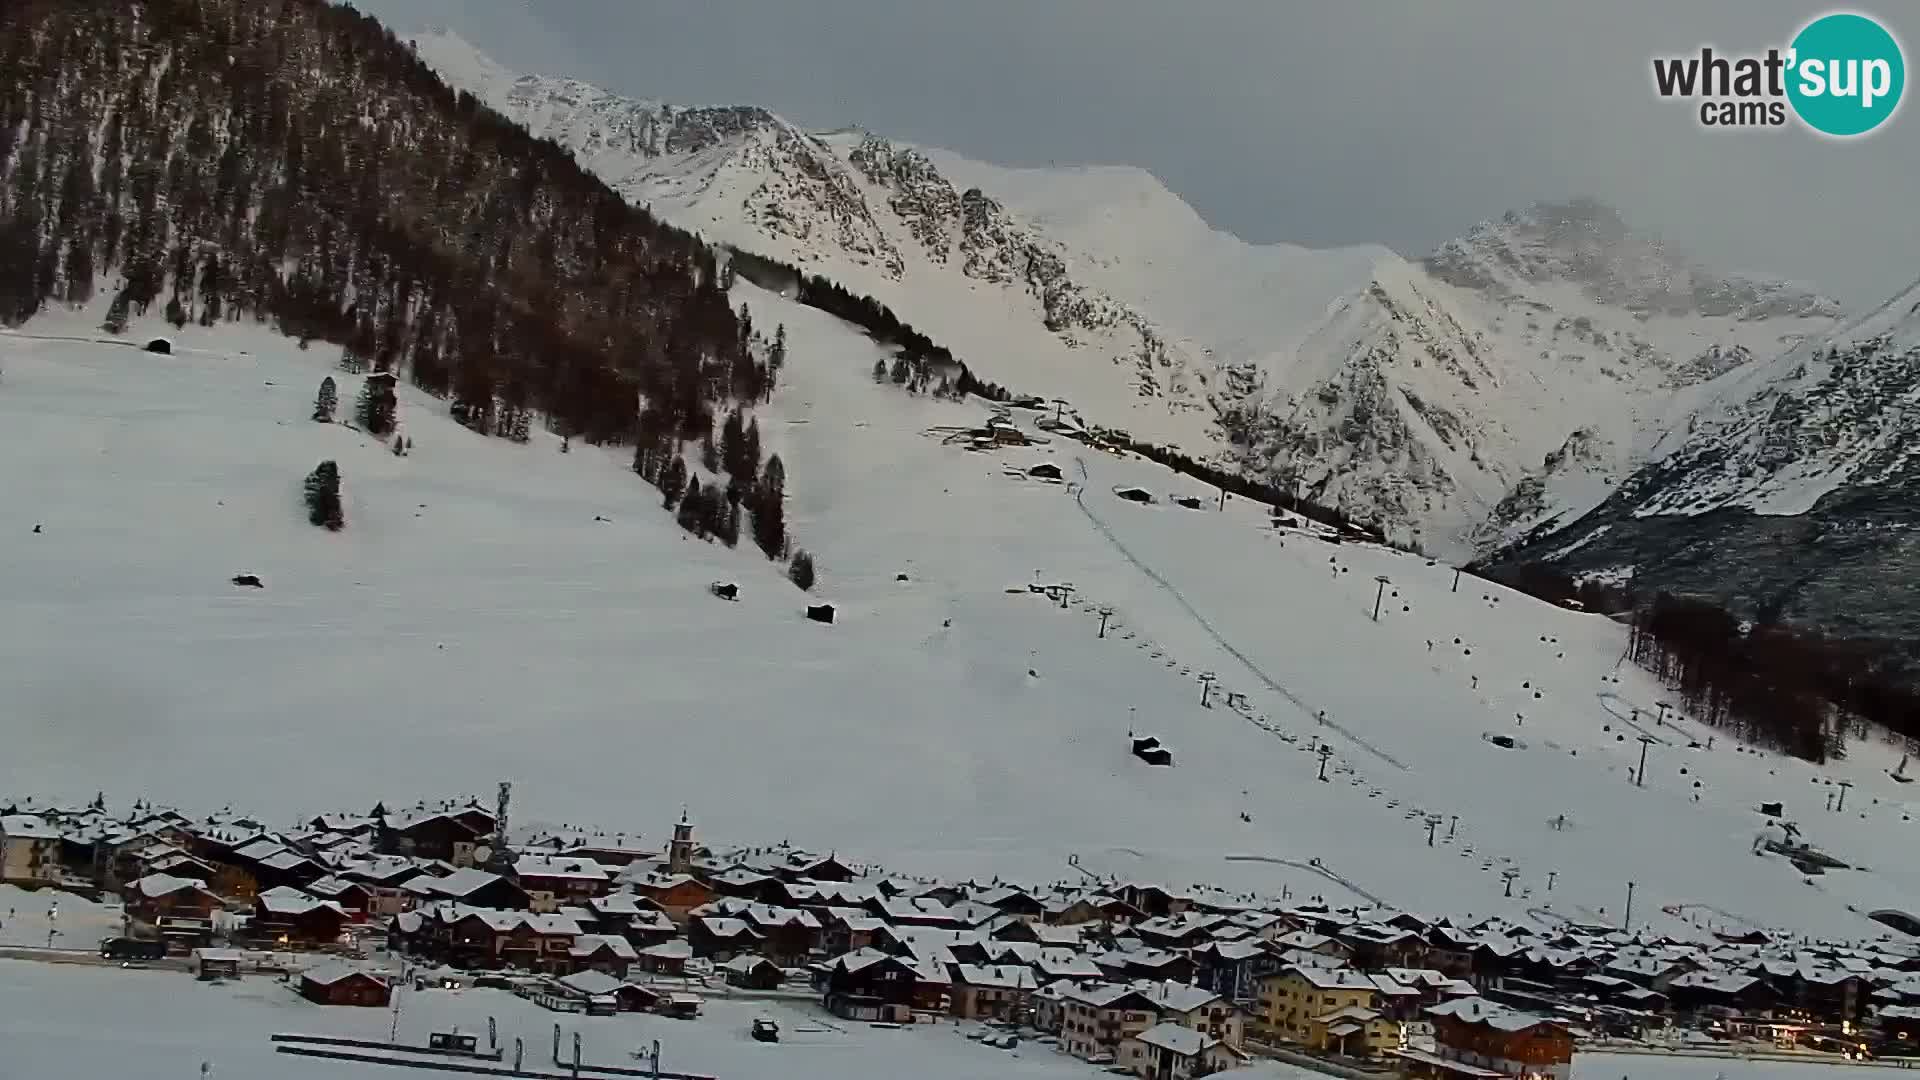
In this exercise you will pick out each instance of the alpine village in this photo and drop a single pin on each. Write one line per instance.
(1161, 982)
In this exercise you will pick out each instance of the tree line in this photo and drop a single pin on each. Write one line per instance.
(1763, 681)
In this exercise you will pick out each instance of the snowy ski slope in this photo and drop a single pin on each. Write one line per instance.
(477, 620)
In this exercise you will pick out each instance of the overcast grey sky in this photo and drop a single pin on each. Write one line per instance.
(1318, 123)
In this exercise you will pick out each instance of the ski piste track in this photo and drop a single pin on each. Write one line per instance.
(1079, 499)
(1315, 866)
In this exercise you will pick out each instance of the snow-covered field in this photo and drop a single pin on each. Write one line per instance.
(53, 918)
(478, 621)
(63, 1020)
(58, 1020)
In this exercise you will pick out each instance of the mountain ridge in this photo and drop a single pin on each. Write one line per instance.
(1435, 396)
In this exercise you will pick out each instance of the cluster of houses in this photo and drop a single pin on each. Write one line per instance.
(1162, 982)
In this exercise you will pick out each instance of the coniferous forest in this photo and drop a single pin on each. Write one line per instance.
(291, 162)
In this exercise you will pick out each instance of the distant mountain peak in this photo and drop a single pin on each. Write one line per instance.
(1584, 242)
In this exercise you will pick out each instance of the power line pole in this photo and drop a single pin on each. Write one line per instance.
(1456, 579)
(1627, 923)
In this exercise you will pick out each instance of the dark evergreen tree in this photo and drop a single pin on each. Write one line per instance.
(117, 313)
(900, 371)
(673, 480)
(709, 453)
(880, 371)
(800, 571)
(769, 509)
(326, 401)
(376, 405)
(176, 314)
(750, 453)
(693, 508)
(323, 497)
(733, 445)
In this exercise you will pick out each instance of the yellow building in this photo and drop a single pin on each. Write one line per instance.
(1353, 1031)
(1293, 998)
(29, 849)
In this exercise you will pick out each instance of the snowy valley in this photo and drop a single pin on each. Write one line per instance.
(962, 695)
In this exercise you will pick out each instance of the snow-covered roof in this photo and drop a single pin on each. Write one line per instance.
(28, 827)
(462, 882)
(592, 983)
(677, 949)
(588, 944)
(154, 886)
(722, 927)
(330, 973)
(1476, 1010)
(1178, 997)
(285, 900)
(567, 867)
(1177, 1039)
(997, 976)
(746, 963)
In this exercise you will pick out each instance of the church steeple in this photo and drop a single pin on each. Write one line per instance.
(680, 852)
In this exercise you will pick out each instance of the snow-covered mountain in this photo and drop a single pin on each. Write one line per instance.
(1791, 488)
(1511, 379)
(1018, 300)
(1515, 376)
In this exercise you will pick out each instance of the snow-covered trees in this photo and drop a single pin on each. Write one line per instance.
(323, 497)
(325, 401)
(800, 571)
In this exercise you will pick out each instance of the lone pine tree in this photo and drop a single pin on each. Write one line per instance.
(323, 497)
(673, 480)
(800, 571)
(376, 406)
(326, 401)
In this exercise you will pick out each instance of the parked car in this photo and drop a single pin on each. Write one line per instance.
(126, 948)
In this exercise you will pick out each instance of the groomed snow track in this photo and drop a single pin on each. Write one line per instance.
(1317, 716)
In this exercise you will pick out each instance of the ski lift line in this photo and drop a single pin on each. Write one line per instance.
(1219, 639)
(1607, 695)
